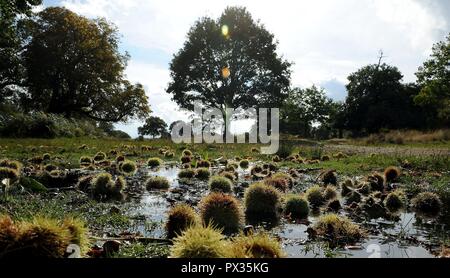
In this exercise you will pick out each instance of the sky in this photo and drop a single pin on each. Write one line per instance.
(325, 39)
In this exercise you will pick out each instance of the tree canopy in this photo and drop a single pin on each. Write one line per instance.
(434, 78)
(153, 126)
(74, 68)
(230, 62)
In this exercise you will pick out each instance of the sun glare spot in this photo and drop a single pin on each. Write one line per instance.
(226, 72)
(225, 30)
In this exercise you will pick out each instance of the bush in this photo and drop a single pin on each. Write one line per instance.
(12, 164)
(50, 167)
(222, 211)
(296, 207)
(9, 173)
(85, 161)
(279, 183)
(186, 159)
(262, 202)
(337, 230)
(391, 174)
(258, 246)
(154, 162)
(427, 203)
(202, 173)
(330, 193)
(315, 196)
(186, 174)
(376, 182)
(180, 218)
(285, 150)
(156, 182)
(220, 184)
(32, 185)
(200, 242)
(128, 167)
(187, 153)
(229, 175)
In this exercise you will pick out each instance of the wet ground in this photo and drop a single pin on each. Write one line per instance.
(407, 236)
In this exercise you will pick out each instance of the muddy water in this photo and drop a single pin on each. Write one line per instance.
(407, 237)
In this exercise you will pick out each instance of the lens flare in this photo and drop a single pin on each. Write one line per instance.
(225, 30)
(226, 72)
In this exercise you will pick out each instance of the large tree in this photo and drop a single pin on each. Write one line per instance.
(230, 62)
(303, 108)
(11, 72)
(153, 126)
(377, 99)
(74, 68)
(434, 78)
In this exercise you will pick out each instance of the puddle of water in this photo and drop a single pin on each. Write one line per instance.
(154, 205)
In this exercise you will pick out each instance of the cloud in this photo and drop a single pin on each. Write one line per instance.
(326, 39)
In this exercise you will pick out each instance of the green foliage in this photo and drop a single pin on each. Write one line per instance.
(103, 186)
(195, 73)
(296, 207)
(220, 184)
(200, 242)
(32, 185)
(153, 126)
(180, 218)
(222, 211)
(156, 182)
(74, 68)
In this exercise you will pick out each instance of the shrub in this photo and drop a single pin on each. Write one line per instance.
(46, 156)
(50, 167)
(154, 162)
(99, 156)
(256, 169)
(262, 202)
(325, 158)
(315, 196)
(180, 218)
(186, 174)
(285, 149)
(120, 158)
(391, 174)
(258, 246)
(222, 211)
(157, 182)
(394, 201)
(296, 207)
(338, 230)
(128, 167)
(220, 184)
(427, 203)
(200, 242)
(244, 164)
(202, 173)
(169, 154)
(354, 197)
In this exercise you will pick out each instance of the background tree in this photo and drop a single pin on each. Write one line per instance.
(434, 78)
(11, 72)
(303, 108)
(74, 68)
(377, 99)
(154, 126)
(230, 62)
